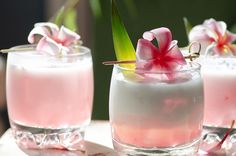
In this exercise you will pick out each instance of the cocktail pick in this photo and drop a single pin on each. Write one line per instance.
(119, 62)
(192, 55)
(16, 50)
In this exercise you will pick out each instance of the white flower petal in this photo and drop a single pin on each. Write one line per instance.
(67, 37)
(53, 28)
(219, 27)
(200, 33)
(41, 31)
(164, 38)
(49, 46)
(145, 50)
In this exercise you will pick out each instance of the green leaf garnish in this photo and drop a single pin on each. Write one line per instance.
(123, 46)
(187, 25)
(70, 20)
(67, 15)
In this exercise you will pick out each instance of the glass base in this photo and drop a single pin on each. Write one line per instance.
(213, 135)
(39, 138)
(185, 150)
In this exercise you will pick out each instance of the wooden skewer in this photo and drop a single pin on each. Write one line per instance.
(16, 50)
(26, 49)
(193, 55)
(118, 62)
(133, 61)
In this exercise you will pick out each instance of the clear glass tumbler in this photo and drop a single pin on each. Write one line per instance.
(49, 98)
(156, 113)
(219, 76)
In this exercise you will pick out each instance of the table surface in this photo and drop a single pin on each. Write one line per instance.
(97, 143)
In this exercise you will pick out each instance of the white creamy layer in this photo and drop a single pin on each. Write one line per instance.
(74, 68)
(219, 69)
(217, 65)
(155, 99)
(39, 64)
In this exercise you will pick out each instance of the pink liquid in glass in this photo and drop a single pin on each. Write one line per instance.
(50, 97)
(49, 93)
(158, 135)
(219, 90)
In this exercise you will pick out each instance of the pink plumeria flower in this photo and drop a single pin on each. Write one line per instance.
(165, 57)
(52, 39)
(214, 34)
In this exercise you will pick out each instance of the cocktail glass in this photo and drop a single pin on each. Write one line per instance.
(156, 112)
(49, 98)
(219, 75)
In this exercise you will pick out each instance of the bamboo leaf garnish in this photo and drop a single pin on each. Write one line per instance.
(58, 17)
(70, 20)
(67, 15)
(123, 46)
(187, 25)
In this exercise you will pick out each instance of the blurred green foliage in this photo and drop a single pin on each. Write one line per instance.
(96, 8)
(187, 25)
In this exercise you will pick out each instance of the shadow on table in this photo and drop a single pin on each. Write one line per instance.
(90, 149)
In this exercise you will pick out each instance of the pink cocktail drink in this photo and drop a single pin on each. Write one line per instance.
(50, 93)
(220, 101)
(219, 90)
(154, 111)
(50, 97)
(217, 57)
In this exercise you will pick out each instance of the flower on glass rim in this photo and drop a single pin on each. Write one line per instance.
(165, 57)
(52, 39)
(214, 33)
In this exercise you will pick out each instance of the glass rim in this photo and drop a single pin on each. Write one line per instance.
(31, 53)
(191, 66)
